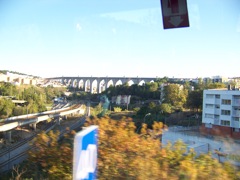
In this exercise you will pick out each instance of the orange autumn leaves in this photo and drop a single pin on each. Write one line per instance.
(50, 158)
(124, 154)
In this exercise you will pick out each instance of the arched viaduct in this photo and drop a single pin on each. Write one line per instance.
(99, 84)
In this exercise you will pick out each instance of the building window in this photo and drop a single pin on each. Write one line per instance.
(226, 101)
(225, 112)
(209, 96)
(217, 106)
(235, 118)
(225, 123)
(209, 106)
(217, 96)
(237, 108)
(236, 97)
(208, 115)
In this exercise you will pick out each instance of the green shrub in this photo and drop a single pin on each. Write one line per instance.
(117, 109)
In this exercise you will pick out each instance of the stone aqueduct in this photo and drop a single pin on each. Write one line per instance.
(99, 84)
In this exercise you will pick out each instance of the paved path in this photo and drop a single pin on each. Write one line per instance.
(228, 146)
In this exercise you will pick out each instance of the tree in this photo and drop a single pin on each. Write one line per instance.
(162, 80)
(96, 111)
(51, 158)
(7, 89)
(175, 95)
(152, 86)
(195, 99)
(18, 110)
(165, 108)
(6, 107)
(200, 84)
(17, 173)
(152, 106)
(215, 86)
(123, 153)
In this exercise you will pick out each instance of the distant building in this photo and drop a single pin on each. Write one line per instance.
(221, 112)
(219, 79)
(235, 81)
(216, 79)
(18, 79)
(121, 99)
(196, 80)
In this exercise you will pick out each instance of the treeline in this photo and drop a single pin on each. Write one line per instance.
(37, 98)
(176, 95)
(14, 72)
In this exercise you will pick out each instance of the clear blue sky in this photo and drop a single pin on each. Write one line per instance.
(50, 38)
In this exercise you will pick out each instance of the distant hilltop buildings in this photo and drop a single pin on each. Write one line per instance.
(217, 79)
(18, 79)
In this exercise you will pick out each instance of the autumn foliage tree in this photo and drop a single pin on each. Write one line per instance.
(123, 154)
(175, 95)
(51, 158)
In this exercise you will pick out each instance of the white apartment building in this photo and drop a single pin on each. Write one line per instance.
(221, 112)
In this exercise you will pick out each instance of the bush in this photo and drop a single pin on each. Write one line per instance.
(117, 109)
(136, 109)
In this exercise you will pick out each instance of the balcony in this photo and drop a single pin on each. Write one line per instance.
(225, 117)
(210, 101)
(236, 102)
(226, 107)
(209, 111)
(236, 113)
